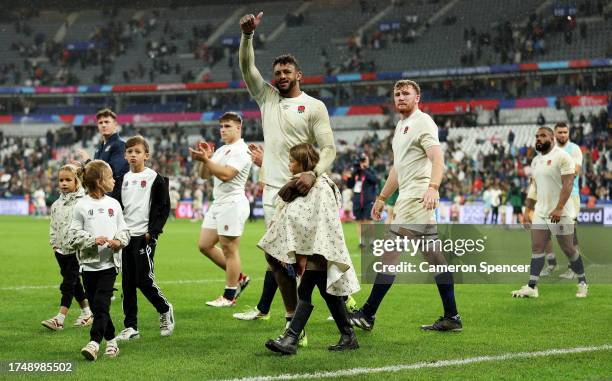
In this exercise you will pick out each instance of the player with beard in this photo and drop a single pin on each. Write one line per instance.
(563, 142)
(552, 175)
(289, 117)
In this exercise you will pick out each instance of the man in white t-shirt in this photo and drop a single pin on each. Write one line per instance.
(229, 167)
(552, 176)
(289, 117)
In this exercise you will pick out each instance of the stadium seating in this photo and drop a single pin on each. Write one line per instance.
(529, 115)
(475, 140)
(438, 45)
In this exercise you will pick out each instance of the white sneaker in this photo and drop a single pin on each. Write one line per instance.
(83, 321)
(112, 350)
(526, 292)
(583, 290)
(90, 351)
(221, 302)
(546, 271)
(251, 314)
(128, 334)
(569, 274)
(166, 322)
(53, 324)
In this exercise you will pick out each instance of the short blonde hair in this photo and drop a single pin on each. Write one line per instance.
(408, 83)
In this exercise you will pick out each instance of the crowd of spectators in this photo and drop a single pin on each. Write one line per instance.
(469, 174)
(507, 43)
(28, 166)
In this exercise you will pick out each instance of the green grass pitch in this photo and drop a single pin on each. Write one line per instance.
(209, 344)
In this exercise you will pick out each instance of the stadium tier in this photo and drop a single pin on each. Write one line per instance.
(513, 64)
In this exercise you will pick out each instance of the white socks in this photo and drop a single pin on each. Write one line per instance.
(60, 317)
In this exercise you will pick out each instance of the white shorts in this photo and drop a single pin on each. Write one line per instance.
(228, 218)
(410, 213)
(563, 227)
(269, 203)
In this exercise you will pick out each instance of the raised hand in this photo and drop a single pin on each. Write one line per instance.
(81, 157)
(256, 153)
(206, 148)
(202, 152)
(248, 23)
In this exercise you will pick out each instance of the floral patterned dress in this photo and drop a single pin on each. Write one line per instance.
(311, 225)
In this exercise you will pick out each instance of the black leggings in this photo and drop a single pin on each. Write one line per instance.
(312, 278)
(99, 288)
(71, 286)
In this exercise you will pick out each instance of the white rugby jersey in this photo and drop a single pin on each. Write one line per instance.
(412, 137)
(287, 122)
(235, 155)
(546, 172)
(96, 218)
(575, 152)
(136, 200)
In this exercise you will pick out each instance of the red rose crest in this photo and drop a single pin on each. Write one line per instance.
(111, 212)
(301, 109)
(143, 183)
(549, 162)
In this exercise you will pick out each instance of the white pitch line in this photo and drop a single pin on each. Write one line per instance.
(179, 281)
(422, 365)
